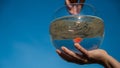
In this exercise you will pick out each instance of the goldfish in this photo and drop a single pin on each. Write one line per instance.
(77, 40)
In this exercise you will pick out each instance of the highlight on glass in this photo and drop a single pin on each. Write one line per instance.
(80, 25)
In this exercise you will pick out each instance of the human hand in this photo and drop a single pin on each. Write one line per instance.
(74, 9)
(88, 57)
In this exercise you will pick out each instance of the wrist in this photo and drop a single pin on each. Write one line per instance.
(110, 62)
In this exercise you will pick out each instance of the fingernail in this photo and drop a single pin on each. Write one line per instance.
(63, 48)
(76, 44)
(58, 51)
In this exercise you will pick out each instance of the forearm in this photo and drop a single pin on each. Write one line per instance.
(110, 62)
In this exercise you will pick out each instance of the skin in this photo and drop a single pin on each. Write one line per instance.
(74, 9)
(98, 56)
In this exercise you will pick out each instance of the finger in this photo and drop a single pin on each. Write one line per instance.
(63, 55)
(71, 53)
(73, 1)
(68, 3)
(75, 57)
(81, 49)
(84, 58)
(81, 1)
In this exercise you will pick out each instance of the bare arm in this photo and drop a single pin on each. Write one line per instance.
(98, 56)
(110, 62)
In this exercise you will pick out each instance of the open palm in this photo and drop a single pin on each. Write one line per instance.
(87, 57)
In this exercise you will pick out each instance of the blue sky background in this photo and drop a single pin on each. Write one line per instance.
(24, 33)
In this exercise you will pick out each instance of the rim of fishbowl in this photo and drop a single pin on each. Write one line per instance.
(87, 4)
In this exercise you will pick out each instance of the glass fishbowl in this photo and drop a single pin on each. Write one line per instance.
(85, 28)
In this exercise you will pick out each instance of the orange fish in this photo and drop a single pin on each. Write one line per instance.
(77, 40)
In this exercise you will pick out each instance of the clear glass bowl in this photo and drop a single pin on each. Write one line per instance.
(85, 28)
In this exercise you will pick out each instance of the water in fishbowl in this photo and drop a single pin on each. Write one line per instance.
(86, 30)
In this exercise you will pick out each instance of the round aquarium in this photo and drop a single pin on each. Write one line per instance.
(85, 28)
